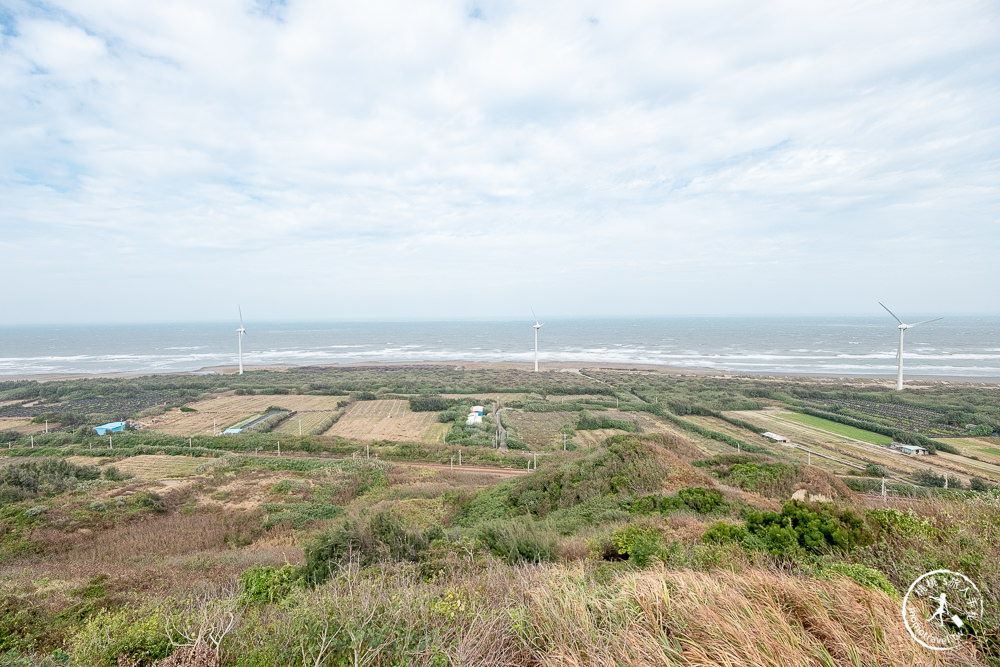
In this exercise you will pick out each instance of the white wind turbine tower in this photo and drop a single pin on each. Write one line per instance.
(902, 330)
(239, 339)
(536, 327)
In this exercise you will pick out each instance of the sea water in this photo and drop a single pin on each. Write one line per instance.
(855, 346)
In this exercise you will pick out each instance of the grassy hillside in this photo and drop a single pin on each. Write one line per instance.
(661, 546)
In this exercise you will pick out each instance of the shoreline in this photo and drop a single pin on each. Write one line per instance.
(552, 366)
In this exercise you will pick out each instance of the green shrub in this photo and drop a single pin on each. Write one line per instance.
(264, 584)
(722, 533)
(379, 537)
(518, 541)
(113, 474)
(146, 501)
(299, 514)
(979, 484)
(701, 500)
(760, 477)
(45, 477)
(137, 635)
(640, 544)
(645, 505)
(431, 403)
(875, 470)
(864, 575)
(928, 478)
(815, 528)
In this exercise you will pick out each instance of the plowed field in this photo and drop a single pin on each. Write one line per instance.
(384, 420)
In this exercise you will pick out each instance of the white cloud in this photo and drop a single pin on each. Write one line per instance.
(404, 159)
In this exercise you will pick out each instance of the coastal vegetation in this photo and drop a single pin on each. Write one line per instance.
(631, 518)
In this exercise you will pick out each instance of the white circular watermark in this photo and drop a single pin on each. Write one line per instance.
(953, 601)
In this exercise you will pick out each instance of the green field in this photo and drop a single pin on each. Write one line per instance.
(839, 429)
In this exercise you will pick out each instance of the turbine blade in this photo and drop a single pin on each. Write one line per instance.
(241, 316)
(533, 316)
(890, 312)
(926, 321)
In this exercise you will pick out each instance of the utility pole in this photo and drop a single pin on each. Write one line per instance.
(110, 444)
(368, 453)
(32, 442)
(279, 448)
(213, 428)
(883, 488)
(460, 458)
(809, 458)
(536, 460)
(189, 443)
(946, 480)
(46, 425)
(564, 442)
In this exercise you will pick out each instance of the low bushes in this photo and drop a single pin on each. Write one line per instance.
(46, 477)
(813, 528)
(695, 499)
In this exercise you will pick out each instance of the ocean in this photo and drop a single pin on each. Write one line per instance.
(853, 346)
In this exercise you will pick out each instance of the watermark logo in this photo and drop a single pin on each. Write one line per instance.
(953, 601)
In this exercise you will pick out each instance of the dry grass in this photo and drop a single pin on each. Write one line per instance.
(383, 420)
(724, 618)
(595, 437)
(22, 425)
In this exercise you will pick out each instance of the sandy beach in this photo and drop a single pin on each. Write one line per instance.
(561, 366)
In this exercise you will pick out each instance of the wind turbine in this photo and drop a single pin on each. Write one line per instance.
(240, 333)
(902, 330)
(536, 327)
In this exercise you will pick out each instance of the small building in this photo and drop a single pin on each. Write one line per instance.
(232, 431)
(112, 427)
(913, 450)
(774, 436)
(473, 418)
(477, 409)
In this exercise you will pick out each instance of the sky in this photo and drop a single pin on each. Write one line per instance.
(319, 160)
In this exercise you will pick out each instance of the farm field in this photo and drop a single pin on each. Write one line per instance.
(862, 452)
(436, 432)
(22, 425)
(149, 466)
(722, 426)
(569, 398)
(505, 397)
(384, 420)
(307, 420)
(987, 449)
(840, 429)
(230, 409)
(539, 429)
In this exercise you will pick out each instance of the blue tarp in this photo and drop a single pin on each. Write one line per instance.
(113, 427)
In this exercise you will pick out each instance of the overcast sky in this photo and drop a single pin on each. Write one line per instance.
(312, 159)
